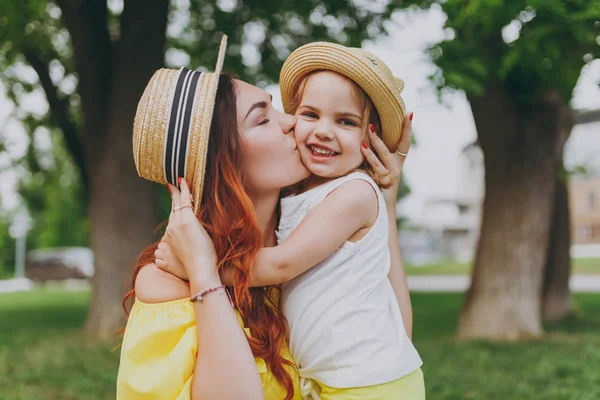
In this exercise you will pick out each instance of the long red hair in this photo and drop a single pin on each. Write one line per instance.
(228, 215)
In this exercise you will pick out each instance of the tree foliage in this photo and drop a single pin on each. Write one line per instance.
(518, 63)
(531, 46)
(261, 35)
(54, 197)
(34, 33)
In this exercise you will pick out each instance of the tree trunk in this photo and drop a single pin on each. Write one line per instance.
(122, 219)
(556, 294)
(122, 205)
(520, 146)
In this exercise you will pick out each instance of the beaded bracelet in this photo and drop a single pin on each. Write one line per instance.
(199, 296)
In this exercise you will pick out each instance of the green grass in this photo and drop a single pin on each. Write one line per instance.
(565, 365)
(43, 354)
(6, 273)
(580, 266)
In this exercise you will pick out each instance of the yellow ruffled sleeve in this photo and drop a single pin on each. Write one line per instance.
(158, 353)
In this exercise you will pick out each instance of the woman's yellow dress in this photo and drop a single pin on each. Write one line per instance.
(158, 355)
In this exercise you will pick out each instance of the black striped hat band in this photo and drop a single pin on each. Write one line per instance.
(178, 129)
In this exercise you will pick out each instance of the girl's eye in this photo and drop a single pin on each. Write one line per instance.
(347, 122)
(264, 122)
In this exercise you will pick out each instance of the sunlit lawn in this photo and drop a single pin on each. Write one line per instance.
(44, 355)
(565, 365)
(579, 265)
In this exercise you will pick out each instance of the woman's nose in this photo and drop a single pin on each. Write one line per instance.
(288, 122)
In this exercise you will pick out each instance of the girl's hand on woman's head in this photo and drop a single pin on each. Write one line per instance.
(188, 241)
(387, 165)
(168, 262)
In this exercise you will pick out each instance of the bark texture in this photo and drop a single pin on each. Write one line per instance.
(522, 146)
(112, 76)
(556, 301)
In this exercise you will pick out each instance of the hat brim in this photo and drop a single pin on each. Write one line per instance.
(384, 94)
(203, 113)
(150, 123)
(153, 140)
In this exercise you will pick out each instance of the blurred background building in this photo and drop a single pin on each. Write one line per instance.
(447, 227)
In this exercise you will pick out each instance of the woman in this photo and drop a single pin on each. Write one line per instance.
(174, 348)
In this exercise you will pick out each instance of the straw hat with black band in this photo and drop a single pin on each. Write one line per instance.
(172, 125)
(360, 66)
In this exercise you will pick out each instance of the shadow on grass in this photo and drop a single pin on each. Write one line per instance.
(585, 318)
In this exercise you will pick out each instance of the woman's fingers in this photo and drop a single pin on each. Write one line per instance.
(373, 160)
(175, 197)
(185, 197)
(406, 139)
(188, 249)
(174, 217)
(187, 211)
(382, 174)
(380, 147)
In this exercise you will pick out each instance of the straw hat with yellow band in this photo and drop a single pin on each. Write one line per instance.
(360, 66)
(172, 125)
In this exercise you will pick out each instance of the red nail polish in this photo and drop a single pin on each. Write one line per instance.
(364, 144)
(168, 188)
(411, 115)
(372, 128)
(179, 180)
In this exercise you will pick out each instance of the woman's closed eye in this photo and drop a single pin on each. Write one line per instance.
(264, 121)
(310, 114)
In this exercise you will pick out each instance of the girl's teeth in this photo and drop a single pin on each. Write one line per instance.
(322, 152)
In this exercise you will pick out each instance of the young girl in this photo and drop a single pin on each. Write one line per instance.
(346, 330)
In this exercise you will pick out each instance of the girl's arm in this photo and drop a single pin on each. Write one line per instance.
(348, 209)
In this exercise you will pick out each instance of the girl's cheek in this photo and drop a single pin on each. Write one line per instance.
(302, 130)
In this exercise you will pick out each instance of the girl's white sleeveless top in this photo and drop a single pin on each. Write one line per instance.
(346, 328)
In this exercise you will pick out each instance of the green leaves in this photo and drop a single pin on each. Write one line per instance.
(262, 34)
(529, 45)
(55, 197)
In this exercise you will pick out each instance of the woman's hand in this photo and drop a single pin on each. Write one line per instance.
(188, 242)
(225, 368)
(388, 165)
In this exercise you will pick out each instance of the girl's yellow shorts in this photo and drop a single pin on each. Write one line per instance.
(409, 387)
